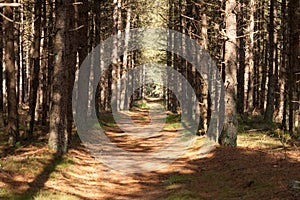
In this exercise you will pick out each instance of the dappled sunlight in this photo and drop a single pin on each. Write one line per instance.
(223, 173)
(260, 165)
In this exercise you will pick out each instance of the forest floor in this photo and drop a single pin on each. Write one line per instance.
(261, 167)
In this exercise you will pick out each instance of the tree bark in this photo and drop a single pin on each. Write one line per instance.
(35, 62)
(12, 105)
(83, 23)
(243, 73)
(250, 59)
(228, 136)
(271, 84)
(58, 139)
(283, 70)
(294, 57)
(1, 73)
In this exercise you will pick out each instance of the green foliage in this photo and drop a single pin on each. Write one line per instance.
(261, 134)
(296, 136)
(142, 119)
(46, 195)
(173, 118)
(3, 193)
(106, 119)
(18, 144)
(176, 183)
(177, 178)
(172, 126)
(41, 195)
(140, 104)
(258, 123)
(65, 163)
(261, 140)
(109, 124)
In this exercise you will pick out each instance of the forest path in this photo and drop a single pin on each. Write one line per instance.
(141, 139)
(251, 171)
(142, 131)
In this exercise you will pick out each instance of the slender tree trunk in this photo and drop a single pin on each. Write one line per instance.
(276, 61)
(176, 13)
(120, 62)
(283, 70)
(113, 71)
(257, 60)
(17, 49)
(1, 73)
(271, 84)
(228, 136)
(70, 63)
(50, 55)
(44, 66)
(84, 75)
(23, 58)
(183, 63)
(204, 87)
(264, 78)
(264, 60)
(98, 37)
(250, 59)
(36, 65)
(123, 94)
(242, 77)
(11, 84)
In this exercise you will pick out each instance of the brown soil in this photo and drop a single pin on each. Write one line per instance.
(225, 173)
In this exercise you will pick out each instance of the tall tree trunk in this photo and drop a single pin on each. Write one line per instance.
(50, 55)
(17, 49)
(183, 63)
(1, 73)
(242, 77)
(44, 66)
(23, 58)
(12, 105)
(250, 59)
(113, 71)
(58, 139)
(176, 13)
(271, 84)
(283, 70)
(123, 94)
(294, 57)
(84, 75)
(264, 60)
(257, 59)
(204, 87)
(35, 72)
(228, 136)
(70, 62)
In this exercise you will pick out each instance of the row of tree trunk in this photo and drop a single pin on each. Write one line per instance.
(255, 45)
